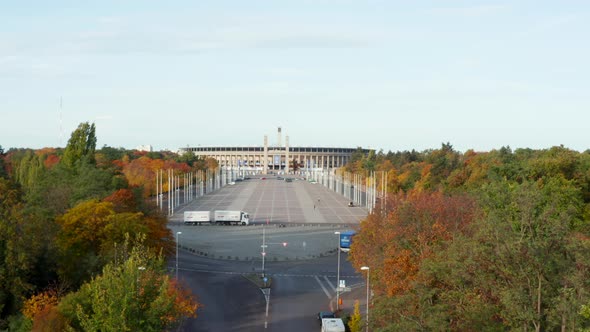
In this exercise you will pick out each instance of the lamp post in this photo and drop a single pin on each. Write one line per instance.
(338, 275)
(366, 268)
(263, 249)
(177, 234)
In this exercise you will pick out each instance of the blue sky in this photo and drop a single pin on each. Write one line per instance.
(391, 75)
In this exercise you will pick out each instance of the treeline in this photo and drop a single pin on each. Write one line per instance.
(81, 245)
(478, 241)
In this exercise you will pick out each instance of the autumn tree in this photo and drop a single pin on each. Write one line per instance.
(355, 323)
(521, 266)
(395, 245)
(135, 294)
(90, 231)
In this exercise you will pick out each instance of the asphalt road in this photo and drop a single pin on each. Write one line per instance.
(304, 273)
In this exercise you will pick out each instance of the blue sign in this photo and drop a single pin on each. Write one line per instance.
(346, 240)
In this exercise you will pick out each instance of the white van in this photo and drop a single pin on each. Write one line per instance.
(332, 325)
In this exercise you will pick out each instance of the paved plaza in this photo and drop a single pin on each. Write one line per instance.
(301, 214)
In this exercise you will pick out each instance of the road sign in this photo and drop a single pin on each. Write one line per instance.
(344, 289)
(342, 283)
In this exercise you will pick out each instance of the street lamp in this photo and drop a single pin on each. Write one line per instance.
(338, 277)
(263, 249)
(177, 234)
(366, 268)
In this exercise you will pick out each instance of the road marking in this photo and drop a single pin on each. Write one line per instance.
(329, 283)
(287, 275)
(324, 288)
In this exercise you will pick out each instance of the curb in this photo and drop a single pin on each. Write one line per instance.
(250, 258)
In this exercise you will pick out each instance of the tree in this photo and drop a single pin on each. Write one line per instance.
(355, 323)
(294, 165)
(14, 264)
(90, 231)
(133, 295)
(397, 245)
(81, 146)
(521, 266)
(3, 173)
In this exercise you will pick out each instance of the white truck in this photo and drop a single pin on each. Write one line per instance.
(232, 217)
(333, 325)
(196, 217)
(219, 216)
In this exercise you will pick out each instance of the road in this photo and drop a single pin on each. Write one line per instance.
(304, 273)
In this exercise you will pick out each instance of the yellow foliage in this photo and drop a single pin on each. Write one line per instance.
(39, 302)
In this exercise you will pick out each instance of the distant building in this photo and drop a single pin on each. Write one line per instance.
(279, 158)
(147, 148)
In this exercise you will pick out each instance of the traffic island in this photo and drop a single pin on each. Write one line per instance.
(258, 280)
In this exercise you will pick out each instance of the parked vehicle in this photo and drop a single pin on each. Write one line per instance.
(332, 325)
(196, 217)
(232, 217)
(219, 216)
(325, 314)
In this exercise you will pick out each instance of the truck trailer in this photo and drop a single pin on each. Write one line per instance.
(196, 217)
(219, 216)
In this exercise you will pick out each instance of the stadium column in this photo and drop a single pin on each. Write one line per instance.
(265, 160)
(286, 154)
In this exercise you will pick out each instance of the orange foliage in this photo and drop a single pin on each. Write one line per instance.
(418, 224)
(51, 160)
(123, 200)
(45, 151)
(159, 235)
(49, 319)
(39, 302)
(184, 302)
(142, 172)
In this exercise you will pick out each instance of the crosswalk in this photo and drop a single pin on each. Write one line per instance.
(326, 282)
(323, 287)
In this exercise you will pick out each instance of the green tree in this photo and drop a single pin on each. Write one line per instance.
(3, 173)
(524, 267)
(19, 250)
(81, 145)
(133, 295)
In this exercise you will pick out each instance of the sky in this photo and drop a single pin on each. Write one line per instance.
(385, 75)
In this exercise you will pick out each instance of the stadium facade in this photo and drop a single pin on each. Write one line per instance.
(277, 158)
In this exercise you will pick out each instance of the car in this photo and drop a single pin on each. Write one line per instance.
(263, 179)
(325, 314)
